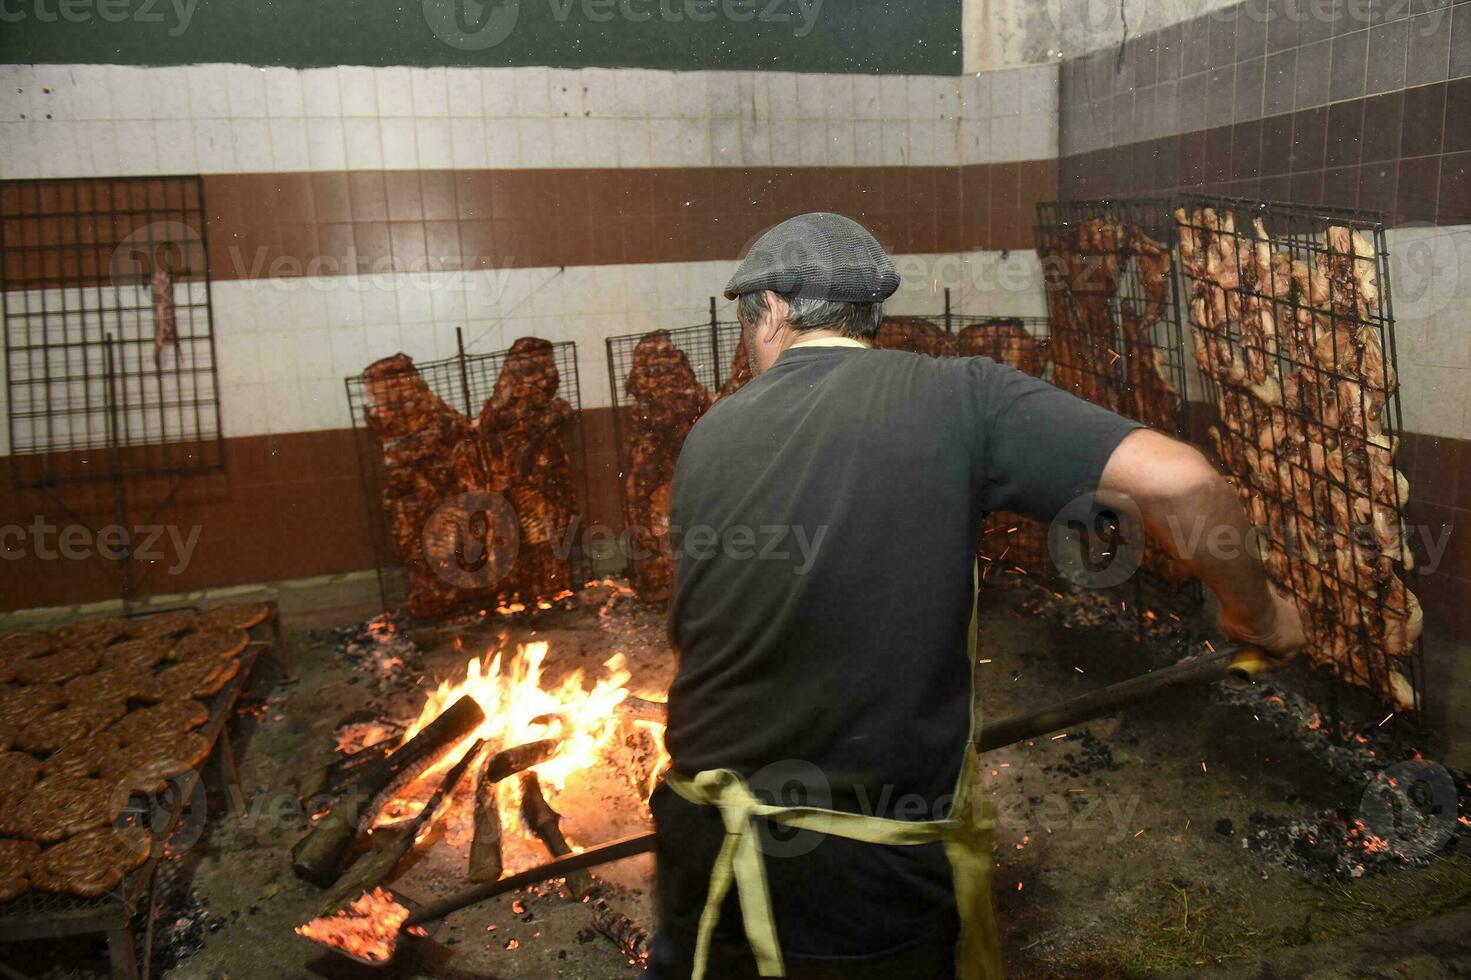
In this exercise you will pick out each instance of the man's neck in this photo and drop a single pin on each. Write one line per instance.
(824, 338)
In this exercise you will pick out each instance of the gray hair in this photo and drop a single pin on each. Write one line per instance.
(857, 320)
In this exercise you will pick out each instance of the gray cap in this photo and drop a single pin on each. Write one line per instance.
(817, 256)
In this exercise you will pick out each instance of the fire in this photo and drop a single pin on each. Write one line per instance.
(518, 709)
(366, 928)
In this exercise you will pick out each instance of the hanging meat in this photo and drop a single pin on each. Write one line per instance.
(165, 317)
(667, 401)
(1004, 340)
(740, 370)
(420, 436)
(522, 435)
(914, 333)
(1083, 284)
(1289, 335)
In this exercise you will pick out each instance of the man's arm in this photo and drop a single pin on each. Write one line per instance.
(1175, 489)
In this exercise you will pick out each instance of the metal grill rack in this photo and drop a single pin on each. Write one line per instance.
(1117, 338)
(708, 348)
(1294, 332)
(37, 914)
(87, 398)
(463, 382)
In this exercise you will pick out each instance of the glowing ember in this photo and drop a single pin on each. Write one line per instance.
(366, 929)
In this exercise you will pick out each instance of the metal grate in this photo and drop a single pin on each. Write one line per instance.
(88, 268)
(1117, 338)
(1290, 311)
(462, 384)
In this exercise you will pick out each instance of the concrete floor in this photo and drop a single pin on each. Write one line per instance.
(1115, 855)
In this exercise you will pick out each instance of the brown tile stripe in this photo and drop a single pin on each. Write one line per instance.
(292, 506)
(1406, 154)
(266, 225)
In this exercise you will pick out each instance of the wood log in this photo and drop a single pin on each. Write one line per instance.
(546, 823)
(631, 938)
(318, 856)
(508, 762)
(641, 709)
(390, 845)
(485, 847)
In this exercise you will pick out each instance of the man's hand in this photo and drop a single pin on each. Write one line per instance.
(1277, 631)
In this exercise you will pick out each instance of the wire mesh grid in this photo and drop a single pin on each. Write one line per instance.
(109, 339)
(435, 432)
(1117, 337)
(1294, 332)
(661, 383)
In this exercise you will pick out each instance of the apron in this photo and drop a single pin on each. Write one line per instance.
(965, 834)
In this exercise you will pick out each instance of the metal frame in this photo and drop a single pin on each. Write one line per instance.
(1266, 432)
(79, 326)
(464, 381)
(38, 914)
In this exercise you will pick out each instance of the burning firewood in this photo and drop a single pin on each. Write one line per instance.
(389, 846)
(318, 856)
(366, 930)
(485, 848)
(631, 938)
(546, 824)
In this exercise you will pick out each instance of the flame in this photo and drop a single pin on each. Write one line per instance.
(367, 928)
(518, 709)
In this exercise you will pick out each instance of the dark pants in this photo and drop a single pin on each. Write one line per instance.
(672, 958)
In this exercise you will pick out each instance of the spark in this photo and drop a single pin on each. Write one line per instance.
(1386, 718)
(1202, 766)
(1210, 646)
(1141, 832)
(1078, 669)
(1059, 735)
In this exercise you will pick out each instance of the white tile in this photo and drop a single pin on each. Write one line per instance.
(922, 142)
(725, 137)
(781, 94)
(400, 147)
(756, 141)
(1034, 136)
(602, 141)
(663, 94)
(689, 97)
(502, 143)
(694, 143)
(463, 87)
(326, 145)
(946, 148)
(811, 96)
(467, 141)
(283, 93)
(1039, 88)
(786, 148)
(447, 300)
(357, 87)
(868, 143)
(633, 142)
(174, 140)
(363, 144)
(631, 93)
(284, 411)
(569, 142)
(132, 98)
(97, 142)
(136, 148)
(91, 95)
(314, 354)
(867, 97)
(435, 149)
(243, 410)
(840, 143)
(237, 358)
(838, 96)
(812, 146)
(497, 91)
(599, 92)
(51, 95)
(975, 95)
(430, 91)
(536, 142)
(320, 95)
(1006, 92)
(414, 299)
(975, 140)
(208, 96)
(288, 144)
(565, 88)
(894, 96)
(724, 91)
(752, 101)
(532, 94)
(895, 143)
(395, 92)
(56, 144)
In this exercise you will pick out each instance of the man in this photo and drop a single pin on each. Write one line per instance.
(825, 518)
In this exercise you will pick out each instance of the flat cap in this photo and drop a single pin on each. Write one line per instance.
(817, 256)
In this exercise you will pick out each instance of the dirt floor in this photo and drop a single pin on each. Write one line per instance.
(1184, 834)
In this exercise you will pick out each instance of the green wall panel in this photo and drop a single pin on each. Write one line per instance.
(861, 36)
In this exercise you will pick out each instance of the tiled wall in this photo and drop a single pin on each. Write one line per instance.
(83, 120)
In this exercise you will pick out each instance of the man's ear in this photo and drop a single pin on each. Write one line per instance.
(776, 317)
